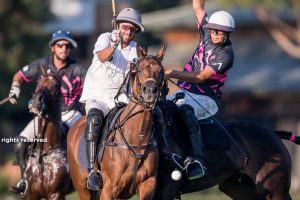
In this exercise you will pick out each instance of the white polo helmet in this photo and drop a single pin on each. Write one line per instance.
(131, 15)
(221, 21)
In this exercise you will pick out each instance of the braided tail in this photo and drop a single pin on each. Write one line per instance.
(286, 135)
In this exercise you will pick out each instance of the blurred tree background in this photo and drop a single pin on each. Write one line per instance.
(22, 40)
(281, 18)
(149, 6)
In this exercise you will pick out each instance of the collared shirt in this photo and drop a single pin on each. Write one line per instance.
(218, 57)
(72, 78)
(103, 80)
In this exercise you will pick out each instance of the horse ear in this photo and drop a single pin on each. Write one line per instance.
(141, 52)
(161, 52)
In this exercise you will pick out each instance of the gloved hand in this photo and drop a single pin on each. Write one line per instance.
(115, 38)
(14, 92)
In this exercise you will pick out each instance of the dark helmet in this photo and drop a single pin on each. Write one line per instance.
(62, 35)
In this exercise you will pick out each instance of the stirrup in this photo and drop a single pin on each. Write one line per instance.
(94, 174)
(19, 188)
(194, 168)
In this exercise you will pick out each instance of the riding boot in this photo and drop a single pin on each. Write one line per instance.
(195, 167)
(21, 152)
(159, 129)
(94, 123)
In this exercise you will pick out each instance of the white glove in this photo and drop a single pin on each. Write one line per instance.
(14, 92)
(115, 38)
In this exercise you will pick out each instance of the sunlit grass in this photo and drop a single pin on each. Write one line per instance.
(209, 194)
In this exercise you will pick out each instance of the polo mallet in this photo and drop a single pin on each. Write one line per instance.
(5, 100)
(114, 22)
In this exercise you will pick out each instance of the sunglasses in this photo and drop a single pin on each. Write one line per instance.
(216, 32)
(128, 27)
(61, 45)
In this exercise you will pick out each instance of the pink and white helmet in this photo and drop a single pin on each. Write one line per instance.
(221, 21)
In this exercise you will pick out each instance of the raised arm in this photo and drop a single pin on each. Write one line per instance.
(198, 6)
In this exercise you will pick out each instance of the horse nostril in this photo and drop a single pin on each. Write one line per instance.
(145, 90)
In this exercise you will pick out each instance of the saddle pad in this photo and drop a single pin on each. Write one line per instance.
(109, 121)
(81, 153)
(214, 137)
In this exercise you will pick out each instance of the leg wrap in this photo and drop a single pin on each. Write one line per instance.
(21, 152)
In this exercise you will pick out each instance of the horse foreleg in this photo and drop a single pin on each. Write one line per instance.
(240, 187)
(273, 180)
(56, 196)
(106, 193)
(147, 189)
(31, 196)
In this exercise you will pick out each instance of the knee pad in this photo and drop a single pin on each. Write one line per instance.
(94, 123)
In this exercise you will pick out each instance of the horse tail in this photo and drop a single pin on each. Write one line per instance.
(286, 135)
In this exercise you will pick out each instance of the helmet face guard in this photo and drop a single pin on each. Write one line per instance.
(221, 21)
(132, 16)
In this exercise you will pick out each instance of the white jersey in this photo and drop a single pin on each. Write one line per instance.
(103, 80)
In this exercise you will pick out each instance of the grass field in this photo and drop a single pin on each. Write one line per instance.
(210, 194)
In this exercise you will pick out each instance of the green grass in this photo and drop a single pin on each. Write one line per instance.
(210, 194)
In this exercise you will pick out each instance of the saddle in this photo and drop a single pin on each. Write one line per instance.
(213, 135)
(110, 120)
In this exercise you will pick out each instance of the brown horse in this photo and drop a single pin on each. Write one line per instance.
(130, 156)
(46, 170)
(246, 160)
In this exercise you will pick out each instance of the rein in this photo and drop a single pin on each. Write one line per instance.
(218, 123)
(43, 123)
(126, 145)
(125, 86)
(133, 79)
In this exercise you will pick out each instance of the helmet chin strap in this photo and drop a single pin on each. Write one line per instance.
(226, 36)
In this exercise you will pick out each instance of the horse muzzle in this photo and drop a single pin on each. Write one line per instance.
(150, 91)
(37, 105)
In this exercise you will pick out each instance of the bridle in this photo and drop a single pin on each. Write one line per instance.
(45, 98)
(133, 78)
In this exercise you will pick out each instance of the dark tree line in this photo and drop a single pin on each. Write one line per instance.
(22, 39)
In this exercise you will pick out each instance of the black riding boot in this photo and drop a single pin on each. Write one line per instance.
(21, 152)
(194, 165)
(95, 119)
(159, 128)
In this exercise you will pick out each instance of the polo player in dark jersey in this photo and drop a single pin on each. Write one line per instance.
(203, 79)
(72, 76)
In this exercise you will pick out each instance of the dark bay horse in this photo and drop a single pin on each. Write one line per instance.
(46, 170)
(246, 160)
(130, 155)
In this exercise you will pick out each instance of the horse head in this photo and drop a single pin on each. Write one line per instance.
(46, 94)
(147, 75)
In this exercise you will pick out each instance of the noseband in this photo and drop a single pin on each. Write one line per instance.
(134, 77)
